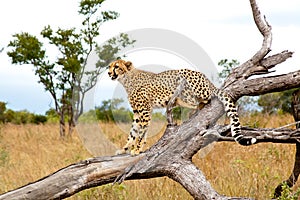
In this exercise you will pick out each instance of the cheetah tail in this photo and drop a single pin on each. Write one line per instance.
(232, 113)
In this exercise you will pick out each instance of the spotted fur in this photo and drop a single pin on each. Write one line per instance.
(147, 90)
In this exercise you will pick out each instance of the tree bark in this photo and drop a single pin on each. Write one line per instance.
(62, 125)
(171, 156)
(74, 178)
(296, 170)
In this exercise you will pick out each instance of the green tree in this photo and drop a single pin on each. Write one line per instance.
(67, 78)
(39, 119)
(9, 116)
(52, 116)
(227, 67)
(2, 111)
(104, 112)
(276, 102)
(109, 51)
(22, 117)
(112, 111)
(19, 117)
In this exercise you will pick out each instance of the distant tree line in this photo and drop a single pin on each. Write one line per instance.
(107, 111)
(19, 117)
(112, 111)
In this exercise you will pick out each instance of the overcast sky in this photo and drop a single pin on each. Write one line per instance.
(224, 29)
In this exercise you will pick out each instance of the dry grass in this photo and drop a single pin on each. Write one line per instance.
(29, 152)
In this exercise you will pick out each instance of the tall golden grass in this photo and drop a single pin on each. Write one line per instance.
(30, 152)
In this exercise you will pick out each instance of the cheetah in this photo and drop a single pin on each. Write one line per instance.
(184, 87)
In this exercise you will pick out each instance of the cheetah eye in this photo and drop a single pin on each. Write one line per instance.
(116, 66)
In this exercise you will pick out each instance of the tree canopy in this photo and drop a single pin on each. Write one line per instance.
(67, 78)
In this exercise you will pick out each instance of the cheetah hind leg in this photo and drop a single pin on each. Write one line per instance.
(169, 110)
(139, 146)
(125, 148)
(141, 141)
(195, 109)
(172, 103)
(131, 140)
(135, 149)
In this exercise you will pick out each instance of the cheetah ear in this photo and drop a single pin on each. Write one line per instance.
(128, 64)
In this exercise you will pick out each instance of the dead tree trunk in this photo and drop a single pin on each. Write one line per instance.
(172, 155)
(296, 170)
(62, 125)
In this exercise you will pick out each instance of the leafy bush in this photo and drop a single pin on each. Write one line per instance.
(39, 119)
(287, 193)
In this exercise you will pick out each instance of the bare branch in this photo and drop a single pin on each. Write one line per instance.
(262, 24)
(245, 70)
(74, 178)
(265, 30)
(259, 86)
(276, 59)
(267, 63)
(274, 135)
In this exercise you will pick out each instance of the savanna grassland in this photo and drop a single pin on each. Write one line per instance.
(30, 152)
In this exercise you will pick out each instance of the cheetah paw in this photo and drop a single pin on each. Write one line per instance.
(120, 151)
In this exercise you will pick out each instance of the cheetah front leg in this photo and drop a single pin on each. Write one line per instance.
(139, 128)
(132, 137)
(143, 125)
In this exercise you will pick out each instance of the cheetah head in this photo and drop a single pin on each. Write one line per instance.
(118, 68)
